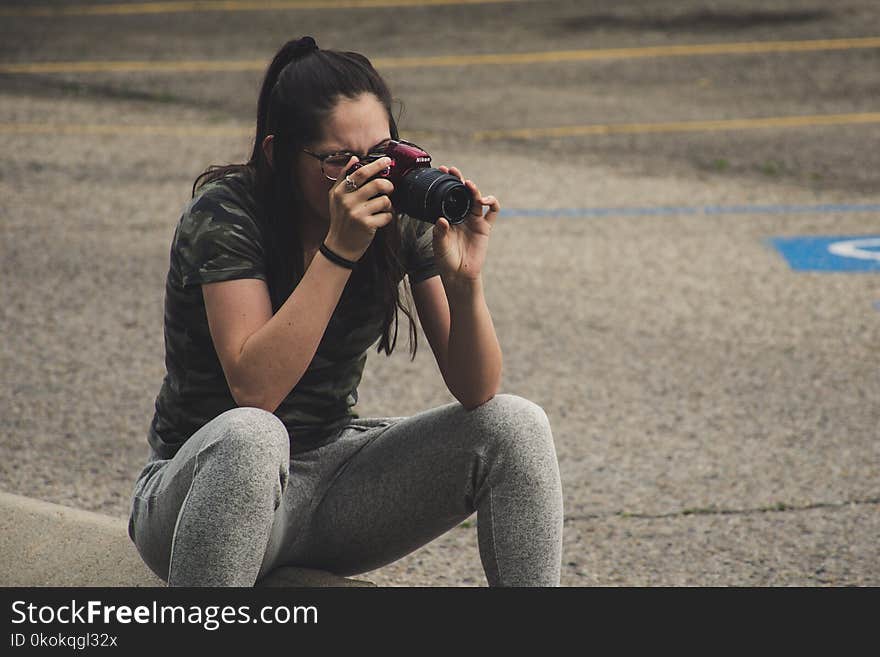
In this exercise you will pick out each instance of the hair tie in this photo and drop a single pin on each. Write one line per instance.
(304, 46)
(291, 52)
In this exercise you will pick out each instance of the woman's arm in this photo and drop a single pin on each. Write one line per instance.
(452, 308)
(264, 356)
(459, 328)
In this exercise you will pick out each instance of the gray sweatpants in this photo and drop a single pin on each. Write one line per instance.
(234, 504)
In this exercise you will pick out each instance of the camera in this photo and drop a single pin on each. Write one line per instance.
(421, 191)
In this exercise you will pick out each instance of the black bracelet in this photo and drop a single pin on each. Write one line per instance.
(336, 258)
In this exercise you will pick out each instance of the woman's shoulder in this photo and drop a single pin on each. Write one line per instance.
(219, 205)
(218, 234)
(222, 215)
(232, 191)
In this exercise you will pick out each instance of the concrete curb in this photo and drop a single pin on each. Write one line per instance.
(45, 544)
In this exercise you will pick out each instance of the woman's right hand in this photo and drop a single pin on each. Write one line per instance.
(355, 215)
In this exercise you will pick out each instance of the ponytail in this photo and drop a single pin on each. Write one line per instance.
(289, 52)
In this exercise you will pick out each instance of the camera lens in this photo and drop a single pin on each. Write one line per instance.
(456, 203)
(428, 194)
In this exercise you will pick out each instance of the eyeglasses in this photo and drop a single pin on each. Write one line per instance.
(333, 164)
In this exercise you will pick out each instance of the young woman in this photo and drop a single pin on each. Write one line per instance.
(284, 271)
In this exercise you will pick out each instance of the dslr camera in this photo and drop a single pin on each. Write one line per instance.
(420, 191)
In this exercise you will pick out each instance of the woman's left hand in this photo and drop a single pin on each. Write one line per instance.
(460, 249)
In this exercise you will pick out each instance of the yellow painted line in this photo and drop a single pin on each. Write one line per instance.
(124, 129)
(719, 125)
(119, 9)
(384, 63)
(183, 66)
(240, 130)
(755, 47)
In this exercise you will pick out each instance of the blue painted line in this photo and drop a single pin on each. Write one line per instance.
(673, 210)
(792, 209)
(598, 212)
(844, 253)
(877, 305)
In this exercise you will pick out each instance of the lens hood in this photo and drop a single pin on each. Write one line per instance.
(428, 194)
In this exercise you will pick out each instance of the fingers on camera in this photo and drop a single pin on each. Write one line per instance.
(379, 186)
(370, 170)
(378, 204)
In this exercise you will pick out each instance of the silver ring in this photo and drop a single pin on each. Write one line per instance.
(350, 184)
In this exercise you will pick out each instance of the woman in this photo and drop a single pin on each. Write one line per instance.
(283, 272)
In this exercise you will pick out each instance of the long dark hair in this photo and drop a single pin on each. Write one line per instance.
(302, 86)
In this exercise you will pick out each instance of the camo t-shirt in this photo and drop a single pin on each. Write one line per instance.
(218, 239)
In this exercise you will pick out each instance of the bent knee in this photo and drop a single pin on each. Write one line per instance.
(516, 437)
(515, 422)
(507, 409)
(251, 418)
(253, 434)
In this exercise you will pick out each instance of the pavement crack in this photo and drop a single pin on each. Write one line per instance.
(779, 507)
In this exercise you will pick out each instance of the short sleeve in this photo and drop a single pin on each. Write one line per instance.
(218, 240)
(417, 238)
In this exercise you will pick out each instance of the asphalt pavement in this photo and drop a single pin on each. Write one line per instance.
(715, 401)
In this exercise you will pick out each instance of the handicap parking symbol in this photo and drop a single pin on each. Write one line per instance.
(859, 253)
